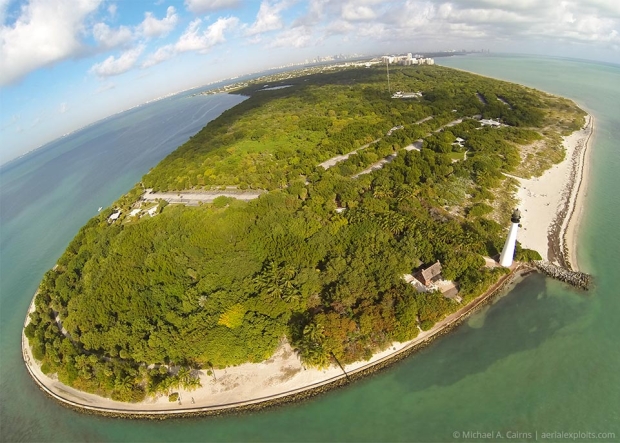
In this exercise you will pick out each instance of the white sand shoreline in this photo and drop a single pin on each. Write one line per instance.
(269, 382)
(575, 216)
(555, 197)
(552, 204)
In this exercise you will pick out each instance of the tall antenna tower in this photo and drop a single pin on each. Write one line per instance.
(387, 67)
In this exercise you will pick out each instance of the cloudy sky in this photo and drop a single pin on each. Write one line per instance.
(67, 63)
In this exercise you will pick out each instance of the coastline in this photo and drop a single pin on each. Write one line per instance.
(282, 378)
(553, 232)
(557, 230)
(235, 391)
(575, 217)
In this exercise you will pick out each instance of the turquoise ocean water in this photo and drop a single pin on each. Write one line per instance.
(544, 358)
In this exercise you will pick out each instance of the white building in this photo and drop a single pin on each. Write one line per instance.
(114, 216)
(489, 122)
(153, 211)
(508, 252)
(408, 59)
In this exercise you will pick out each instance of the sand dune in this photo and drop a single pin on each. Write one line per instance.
(551, 204)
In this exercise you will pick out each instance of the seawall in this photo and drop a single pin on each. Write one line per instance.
(60, 393)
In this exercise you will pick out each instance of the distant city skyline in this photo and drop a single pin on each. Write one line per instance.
(67, 63)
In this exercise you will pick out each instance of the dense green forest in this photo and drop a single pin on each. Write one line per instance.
(135, 306)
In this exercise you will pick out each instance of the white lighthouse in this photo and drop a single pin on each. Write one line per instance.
(508, 252)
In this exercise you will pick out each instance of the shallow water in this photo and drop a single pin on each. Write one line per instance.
(543, 358)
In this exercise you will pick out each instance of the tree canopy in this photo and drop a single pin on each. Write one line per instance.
(222, 284)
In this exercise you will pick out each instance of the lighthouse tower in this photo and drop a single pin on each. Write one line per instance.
(509, 247)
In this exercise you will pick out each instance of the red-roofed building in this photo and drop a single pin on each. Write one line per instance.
(429, 275)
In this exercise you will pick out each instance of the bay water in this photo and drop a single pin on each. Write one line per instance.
(542, 359)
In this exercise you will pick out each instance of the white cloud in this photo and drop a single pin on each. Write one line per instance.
(111, 38)
(112, 10)
(269, 18)
(194, 40)
(215, 32)
(152, 27)
(202, 6)
(442, 23)
(63, 108)
(162, 54)
(46, 32)
(569, 20)
(314, 14)
(357, 12)
(297, 37)
(340, 26)
(117, 65)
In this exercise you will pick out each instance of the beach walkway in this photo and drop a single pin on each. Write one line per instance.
(282, 377)
(252, 385)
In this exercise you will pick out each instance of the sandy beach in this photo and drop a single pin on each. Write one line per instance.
(280, 379)
(551, 205)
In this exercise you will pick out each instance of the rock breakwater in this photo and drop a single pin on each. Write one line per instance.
(578, 279)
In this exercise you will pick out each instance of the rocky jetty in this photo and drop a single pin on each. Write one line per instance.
(580, 280)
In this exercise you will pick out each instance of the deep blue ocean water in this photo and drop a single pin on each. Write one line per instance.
(543, 358)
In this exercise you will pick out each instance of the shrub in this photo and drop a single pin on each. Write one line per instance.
(479, 209)
(426, 325)
(527, 255)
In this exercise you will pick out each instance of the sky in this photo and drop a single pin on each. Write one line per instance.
(67, 63)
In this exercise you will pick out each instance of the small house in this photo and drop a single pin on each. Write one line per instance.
(429, 275)
(430, 279)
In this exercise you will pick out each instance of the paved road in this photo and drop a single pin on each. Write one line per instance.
(193, 198)
(334, 160)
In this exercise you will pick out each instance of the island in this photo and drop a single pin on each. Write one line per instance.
(324, 227)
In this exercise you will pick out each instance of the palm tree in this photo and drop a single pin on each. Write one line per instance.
(291, 295)
(406, 192)
(314, 333)
(123, 385)
(316, 356)
(165, 385)
(274, 290)
(184, 374)
(394, 223)
(192, 383)
(277, 281)
(382, 191)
